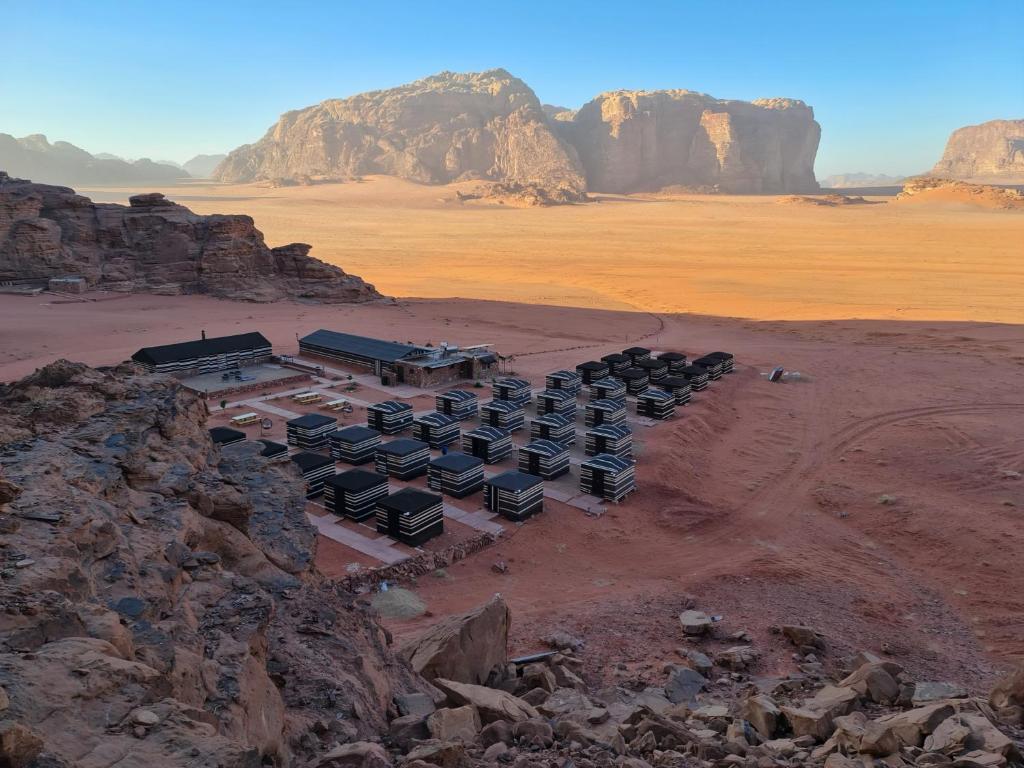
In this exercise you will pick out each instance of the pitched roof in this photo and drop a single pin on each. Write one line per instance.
(187, 350)
(363, 346)
(409, 500)
(514, 480)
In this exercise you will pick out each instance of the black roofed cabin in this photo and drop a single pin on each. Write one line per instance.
(544, 458)
(310, 431)
(273, 451)
(636, 354)
(609, 477)
(503, 414)
(226, 436)
(221, 353)
(488, 443)
(617, 362)
(456, 474)
(411, 516)
(559, 401)
(725, 357)
(675, 361)
(553, 426)
(604, 412)
(315, 469)
(512, 390)
(375, 354)
(636, 380)
(616, 439)
(354, 494)
(457, 403)
(656, 369)
(712, 365)
(436, 429)
(567, 380)
(514, 495)
(697, 376)
(677, 386)
(355, 444)
(403, 459)
(608, 388)
(656, 404)
(592, 369)
(389, 417)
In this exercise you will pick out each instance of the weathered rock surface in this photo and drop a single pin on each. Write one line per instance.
(632, 141)
(444, 128)
(35, 157)
(170, 612)
(490, 126)
(991, 152)
(465, 648)
(156, 245)
(927, 189)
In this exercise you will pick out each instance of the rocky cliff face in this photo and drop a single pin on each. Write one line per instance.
(159, 604)
(992, 152)
(156, 245)
(63, 163)
(646, 140)
(444, 128)
(491, 126)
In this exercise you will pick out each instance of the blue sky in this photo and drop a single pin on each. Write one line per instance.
(888, 80)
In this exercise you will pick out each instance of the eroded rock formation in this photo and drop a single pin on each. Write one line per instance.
(156, 245)
(646, 140)
(159, 602)
(491, 126)
(991, 152)
(444, 128)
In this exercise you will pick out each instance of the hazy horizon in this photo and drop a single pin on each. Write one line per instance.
(888, 84)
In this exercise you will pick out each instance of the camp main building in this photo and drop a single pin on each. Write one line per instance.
(398, 363)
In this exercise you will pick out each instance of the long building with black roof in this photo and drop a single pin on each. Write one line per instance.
(221, 353)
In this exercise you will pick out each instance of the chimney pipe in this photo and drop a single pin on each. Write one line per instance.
(204, 334)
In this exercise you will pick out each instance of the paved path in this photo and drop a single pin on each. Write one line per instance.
(270, 408)
(482, 520)
(381, 548)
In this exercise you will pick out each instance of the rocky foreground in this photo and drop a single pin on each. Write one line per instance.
(490, 126)
(157, 246)
(160, 609)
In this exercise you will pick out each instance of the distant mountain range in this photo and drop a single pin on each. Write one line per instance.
(34, 157)
(850, 180)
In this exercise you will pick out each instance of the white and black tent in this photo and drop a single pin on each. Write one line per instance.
(608, 388)
(503, 414)
(636, 354)
(458, 403)
(390, 417)
(697, 376)
(403, 459)
(559, 401)
(675, 361)
(544, 458)
(636, 380)
(617, 362)
(556, 427)
(436, 429)
(226, 436)
(656, 369)
(310, 431)
(656, 404)
(315, 469)
(513, 390)
(411, 516)
(353, 494)
(456, 474)
(616, 439)
(604, 412)
(355, 444)
(609, 477)
(677, 386)
(514, 495)
(488, 443)
(570, 381)
(592, 370)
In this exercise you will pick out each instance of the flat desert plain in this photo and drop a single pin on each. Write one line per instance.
(752, 257)
(879, 497)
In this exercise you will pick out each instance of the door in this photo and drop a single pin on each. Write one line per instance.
(597, 486)
(534, 464)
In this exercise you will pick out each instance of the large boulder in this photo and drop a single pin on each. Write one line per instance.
(1007, 696)
(464, 648)
(491, 703)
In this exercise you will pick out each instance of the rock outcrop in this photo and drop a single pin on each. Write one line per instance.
(632, 141)
(991, 152)
(490, 126)
(156, 245)
(159, 604)
(948, 191)
(35, 157)
(444, 128)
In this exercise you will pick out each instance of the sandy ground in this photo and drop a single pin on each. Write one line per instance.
(716, 255)
(879, 499)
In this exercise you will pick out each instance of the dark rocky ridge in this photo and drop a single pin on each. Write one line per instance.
(155, 586)
(156, 245)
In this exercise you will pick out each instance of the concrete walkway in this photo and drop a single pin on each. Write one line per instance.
(270, 408)
(382, 548)
(481, 520)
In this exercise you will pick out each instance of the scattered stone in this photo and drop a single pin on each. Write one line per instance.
(456, 724)
(979, 759)
(683, 685)
(699, 661)
(926, 693)
(763, 713)
(533, 733)
(414, 704)
(695, 623)
(19, 745)
(145, 717)
(359, 754)
(875, 681)
(441, 753)
(802, 636)
(738, 657)
(493, 752)
(539, 675)
(950, 737)
(490, 703)
(560, 640)
(464, 648)
(406, 730)
(498, 732)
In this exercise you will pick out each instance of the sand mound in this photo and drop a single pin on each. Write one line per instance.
(827, 201)
(929, 190)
